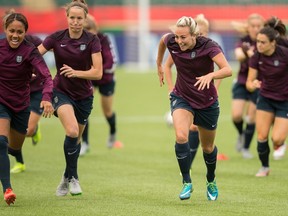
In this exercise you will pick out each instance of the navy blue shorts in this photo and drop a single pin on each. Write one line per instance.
(35, 100)
(18, 121)
(106, 89)
(279, 108)
(206, 118)
(82, 108)
(239, 91)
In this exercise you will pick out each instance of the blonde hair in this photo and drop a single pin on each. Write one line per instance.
(189, 22)
(242, 27)
(203, 25)
(255, 16)
(91, 25)
(201, 20)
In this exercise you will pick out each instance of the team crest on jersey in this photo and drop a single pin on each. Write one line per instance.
(193, 54)
(82, 47)
(276, 63)
(19, 59)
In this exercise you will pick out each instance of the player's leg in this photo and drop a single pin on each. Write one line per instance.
(193, 141)
(264, 121)
(239, 102)
(279, 135)
(9, 195)
(249, 130)
(182, 120)
(34, 127)
(85, 142)
(207, 138)
(19, 125)
(67, 117)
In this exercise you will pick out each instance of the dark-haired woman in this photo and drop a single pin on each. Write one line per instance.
(18, 59)
(269, 62)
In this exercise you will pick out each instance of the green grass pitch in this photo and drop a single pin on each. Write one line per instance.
(143, 177)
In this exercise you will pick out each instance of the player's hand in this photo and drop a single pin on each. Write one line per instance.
(48, 109)
(257, 84)
(204, 81)
(67, 71)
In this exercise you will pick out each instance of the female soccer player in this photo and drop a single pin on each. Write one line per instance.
(281, 39)
(33, 131)
(194, 98)
(106, 86)
(78, 61)
(243, 101)
(18, 58)
(203, 27)
(270, 62)
(36, 88)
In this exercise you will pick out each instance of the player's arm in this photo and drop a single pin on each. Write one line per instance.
(225, 70)
(94, 73)
(159, 60)
(252, 83)
(42, 49)
(168, 73)
(244, 52)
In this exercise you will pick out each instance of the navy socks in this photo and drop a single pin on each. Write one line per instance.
(184, 160)
(210, 161)
(71, 151)
(4, 163)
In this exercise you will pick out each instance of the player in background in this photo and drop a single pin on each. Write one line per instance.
(203, 26)
(106, 86)
(270, 62)
(278, 25)
(18, 58)
(194, 98)
(243, 101)
(78, 61)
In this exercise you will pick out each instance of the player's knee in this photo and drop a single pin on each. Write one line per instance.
(72, 131)
(277, 141)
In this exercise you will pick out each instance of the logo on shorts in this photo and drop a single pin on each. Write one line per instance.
(19, 59)
(174, 102)
(82, 47)
(56, 100)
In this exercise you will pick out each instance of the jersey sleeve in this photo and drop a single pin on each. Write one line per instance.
(96, 45)
(215, 49)
(253, 61)
(48, 42)
(43, 72)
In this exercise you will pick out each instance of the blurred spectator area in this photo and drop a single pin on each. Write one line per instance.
(152, 2)
(121, 18)
(118, 15)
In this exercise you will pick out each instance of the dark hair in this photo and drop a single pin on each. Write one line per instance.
(77, 3)
(16, 16)
(277, 24)
(270, 32)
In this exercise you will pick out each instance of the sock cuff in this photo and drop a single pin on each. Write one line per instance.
(70, 141)
(182, 147)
